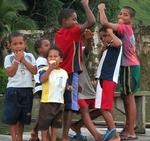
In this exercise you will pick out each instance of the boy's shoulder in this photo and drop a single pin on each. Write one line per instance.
(73, 28)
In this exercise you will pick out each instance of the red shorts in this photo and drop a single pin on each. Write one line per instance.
(108, 89)
(90, 103)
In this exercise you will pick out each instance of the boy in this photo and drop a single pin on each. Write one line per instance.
(68, 39)
(41, 48)
(53, 80)
(107, 75)
(19, 67)
(130, 66)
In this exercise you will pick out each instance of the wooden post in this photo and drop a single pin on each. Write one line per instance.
(141, 109)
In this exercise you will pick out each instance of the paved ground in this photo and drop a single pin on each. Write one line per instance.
(143, 137)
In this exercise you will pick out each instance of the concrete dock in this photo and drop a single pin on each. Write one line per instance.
(85, 132)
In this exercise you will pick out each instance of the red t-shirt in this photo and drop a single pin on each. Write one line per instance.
(69, 41)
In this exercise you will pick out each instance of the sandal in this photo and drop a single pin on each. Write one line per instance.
(77, 137)
(109, 134)
(124, 138)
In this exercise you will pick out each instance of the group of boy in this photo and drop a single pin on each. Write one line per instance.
(60, 74)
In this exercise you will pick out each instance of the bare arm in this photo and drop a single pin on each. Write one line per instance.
(29, 66)
(90, 17)
(11, 71)
(103, 18)
(88, 37)
(116, 42)
(45, 76)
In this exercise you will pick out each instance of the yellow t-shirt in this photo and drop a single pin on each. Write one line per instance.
(53, 89)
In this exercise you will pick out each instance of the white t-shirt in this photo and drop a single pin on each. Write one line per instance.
(23, 77)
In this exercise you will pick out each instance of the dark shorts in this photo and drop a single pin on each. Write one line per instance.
(50, 114)
(129, 79)
(71, 97)
(18, 105)
(90, 103)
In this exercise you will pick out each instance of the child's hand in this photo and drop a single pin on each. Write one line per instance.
(101, 6)
(69, 87)
(19, 55)
(52, 66)
(80, 89)
(88, 34)
(85, 2)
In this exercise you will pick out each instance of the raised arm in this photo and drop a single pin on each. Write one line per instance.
(90, 17)
(116, 42)
(103, 18)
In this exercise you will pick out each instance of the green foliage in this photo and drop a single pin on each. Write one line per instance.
(3, 81)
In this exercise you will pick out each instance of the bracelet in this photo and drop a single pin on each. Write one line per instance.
(17, 61)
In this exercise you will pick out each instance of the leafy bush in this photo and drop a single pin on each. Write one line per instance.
(3, 81)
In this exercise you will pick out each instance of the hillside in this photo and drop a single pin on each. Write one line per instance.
(142, 8)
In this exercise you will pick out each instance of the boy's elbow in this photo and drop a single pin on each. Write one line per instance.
(104, 23)
(91, 22)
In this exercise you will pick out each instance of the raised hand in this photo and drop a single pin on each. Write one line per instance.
(101, 6)
(85, 2)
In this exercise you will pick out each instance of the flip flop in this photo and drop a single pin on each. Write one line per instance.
(125, 138)
(77, 137)
(109, 134)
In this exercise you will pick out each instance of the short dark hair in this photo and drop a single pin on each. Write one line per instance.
(65, 14)
(38, 44)
(132, 11)
(57, 49)
(103, 29)
(15, 34)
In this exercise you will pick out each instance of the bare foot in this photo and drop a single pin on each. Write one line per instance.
(116, 138)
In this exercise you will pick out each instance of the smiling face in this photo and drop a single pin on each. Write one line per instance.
(125, 17)
(54, 56)
(71, 21)
(17, 44)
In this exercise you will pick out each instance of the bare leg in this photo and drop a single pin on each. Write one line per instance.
(67, 125)
(88, 122)
(80, 123)
(108, 118)
(44, 135)
(130, 114)
(13, 131)
(107, 114)
(20, 131)
(34, 132)
(53, 134)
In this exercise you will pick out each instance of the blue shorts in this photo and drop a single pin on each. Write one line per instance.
(18, 105)
(71, 97)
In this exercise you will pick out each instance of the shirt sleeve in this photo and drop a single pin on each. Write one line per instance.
(7, 62)
(33, 60)
(41, 73)
(40, 63)
(121, 29)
